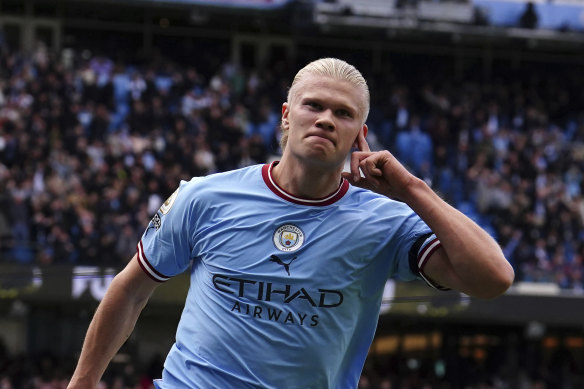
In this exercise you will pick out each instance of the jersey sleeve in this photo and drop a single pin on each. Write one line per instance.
(420, 253)
(417, 245)
(165, 248)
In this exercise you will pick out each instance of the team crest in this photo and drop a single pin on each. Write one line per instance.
(168, 203)
(288, 238)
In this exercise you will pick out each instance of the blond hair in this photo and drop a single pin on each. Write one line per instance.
(336, 69)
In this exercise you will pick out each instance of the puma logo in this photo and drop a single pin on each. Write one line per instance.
(275, 258)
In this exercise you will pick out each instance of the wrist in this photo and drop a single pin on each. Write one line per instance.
(417, 194)
(412, 190)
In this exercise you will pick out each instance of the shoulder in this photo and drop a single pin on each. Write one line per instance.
(208, 186)
(244, 173)
(211, 180)
(370, 202)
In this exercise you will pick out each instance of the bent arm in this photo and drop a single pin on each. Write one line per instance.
(469, 260)
(112, 324)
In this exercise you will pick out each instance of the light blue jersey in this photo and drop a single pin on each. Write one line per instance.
(285, 292)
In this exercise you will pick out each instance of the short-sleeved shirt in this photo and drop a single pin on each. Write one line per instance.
(284, 292)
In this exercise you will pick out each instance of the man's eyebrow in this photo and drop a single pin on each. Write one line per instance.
(305, 97)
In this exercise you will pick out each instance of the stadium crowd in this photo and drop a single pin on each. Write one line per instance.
(89, 152)
(90, 147)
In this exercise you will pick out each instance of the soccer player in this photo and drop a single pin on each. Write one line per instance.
(288, 260)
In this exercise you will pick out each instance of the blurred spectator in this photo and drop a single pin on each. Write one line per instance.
(529, 17)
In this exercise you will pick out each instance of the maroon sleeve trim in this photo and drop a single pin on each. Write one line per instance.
(147, 267)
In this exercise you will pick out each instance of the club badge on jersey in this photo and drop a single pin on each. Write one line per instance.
(288, 238)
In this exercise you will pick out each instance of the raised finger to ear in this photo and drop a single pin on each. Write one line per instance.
(361, 142)
(355, 172)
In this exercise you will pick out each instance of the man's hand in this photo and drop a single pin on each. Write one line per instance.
(383, 174)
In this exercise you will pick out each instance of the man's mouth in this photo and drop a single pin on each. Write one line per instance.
(322, 137)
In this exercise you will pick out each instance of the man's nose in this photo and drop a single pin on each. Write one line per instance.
(325, 120)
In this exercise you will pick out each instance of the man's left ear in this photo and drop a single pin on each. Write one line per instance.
(365, 129)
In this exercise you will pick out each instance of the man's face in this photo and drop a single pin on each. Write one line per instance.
(323, 118)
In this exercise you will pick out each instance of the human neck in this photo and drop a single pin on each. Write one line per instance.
(306, 180)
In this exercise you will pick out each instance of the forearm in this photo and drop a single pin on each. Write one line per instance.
(112, 324)
(477, 261)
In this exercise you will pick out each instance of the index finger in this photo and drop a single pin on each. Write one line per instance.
(356, 158)
(362, 142)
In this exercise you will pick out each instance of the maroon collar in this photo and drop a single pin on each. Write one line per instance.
(328, 200)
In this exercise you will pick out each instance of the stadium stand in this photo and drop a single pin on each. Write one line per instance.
(91, 142)
(89, 151)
